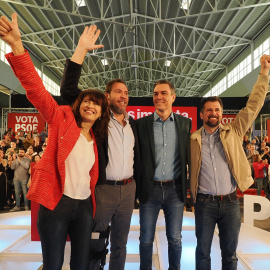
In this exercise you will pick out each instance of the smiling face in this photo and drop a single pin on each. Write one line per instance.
(163, 98)
(118, 98)
(90, 111)
(211, 115)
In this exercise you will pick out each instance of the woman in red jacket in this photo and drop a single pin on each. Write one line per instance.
(64, 180)
(260, 168)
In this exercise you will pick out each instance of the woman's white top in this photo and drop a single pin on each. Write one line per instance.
(78, 165)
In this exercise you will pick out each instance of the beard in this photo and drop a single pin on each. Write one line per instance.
(211, 124)
(116, 109)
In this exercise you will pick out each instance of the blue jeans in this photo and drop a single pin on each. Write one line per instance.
(226, 214)
(17, 186)
(259, 182)
(170, 200)
(73, 217)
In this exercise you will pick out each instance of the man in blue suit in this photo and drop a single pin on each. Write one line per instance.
(163, 138)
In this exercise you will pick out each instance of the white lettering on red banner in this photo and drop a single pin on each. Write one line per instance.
(26, 121)
(140, 111)
(227, 118)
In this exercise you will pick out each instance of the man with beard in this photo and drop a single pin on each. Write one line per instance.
(118, 162)
(20, 166)
(217, 166)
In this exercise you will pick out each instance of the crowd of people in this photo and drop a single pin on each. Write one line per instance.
(90, 196)
(258, 156)
(17, 151)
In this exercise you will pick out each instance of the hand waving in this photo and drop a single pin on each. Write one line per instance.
(87, 42)
(9, 31)
(88, 39)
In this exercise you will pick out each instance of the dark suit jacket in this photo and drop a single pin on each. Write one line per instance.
(147, 152)
(69, 92)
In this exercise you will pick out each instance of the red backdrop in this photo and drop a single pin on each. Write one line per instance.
(141, 111)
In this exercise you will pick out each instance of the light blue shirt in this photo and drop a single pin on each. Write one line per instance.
(215, 177)
(120, 149)
(167, 155)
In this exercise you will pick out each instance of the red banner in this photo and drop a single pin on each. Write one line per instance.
(268, 129)
(26, 121)
(140, 111)
(227, 118)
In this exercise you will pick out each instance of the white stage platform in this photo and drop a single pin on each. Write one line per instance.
(18, 252)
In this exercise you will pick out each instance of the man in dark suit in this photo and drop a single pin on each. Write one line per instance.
(118, 161)
(163, 138)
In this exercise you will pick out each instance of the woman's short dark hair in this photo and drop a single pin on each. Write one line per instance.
(211, 99)
(100, 127)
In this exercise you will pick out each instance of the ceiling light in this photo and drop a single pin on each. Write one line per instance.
(104, 62)
(80, 3)
(168, 63)
(186, 4)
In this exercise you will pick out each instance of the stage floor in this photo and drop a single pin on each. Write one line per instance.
(18, 252)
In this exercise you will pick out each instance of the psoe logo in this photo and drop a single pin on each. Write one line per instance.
(27, 123)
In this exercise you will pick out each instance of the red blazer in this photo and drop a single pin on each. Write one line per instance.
(48, 181)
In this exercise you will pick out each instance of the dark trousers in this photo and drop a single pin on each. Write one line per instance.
(226, 214)
(115, 206)
(73, 217)
(3, 191)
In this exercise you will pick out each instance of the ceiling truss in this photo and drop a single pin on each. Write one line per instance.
(139, 37)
